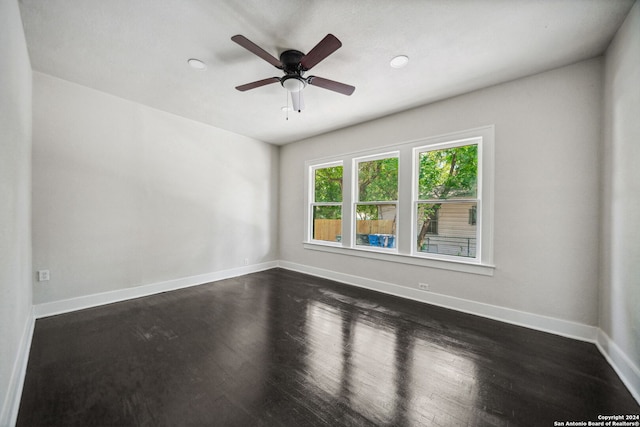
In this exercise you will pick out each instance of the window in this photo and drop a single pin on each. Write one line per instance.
(326, 207)
(426, 202)
(447, 187)
(376, 204)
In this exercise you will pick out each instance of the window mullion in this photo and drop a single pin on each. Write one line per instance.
(405, 194)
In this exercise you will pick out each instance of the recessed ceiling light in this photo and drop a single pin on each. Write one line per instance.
(287, 109)
(399, 61)
(197, 64)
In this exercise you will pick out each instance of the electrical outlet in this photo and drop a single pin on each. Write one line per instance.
(43, 275)
(423, 286)
(246, 261)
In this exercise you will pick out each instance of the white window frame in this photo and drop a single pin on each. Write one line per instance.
(312, 203)
(356, 192)
(405, 251)
(415, 200)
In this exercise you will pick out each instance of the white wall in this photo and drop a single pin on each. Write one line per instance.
(15, 206)
(620, 269)
(547, 131)
(125, 195)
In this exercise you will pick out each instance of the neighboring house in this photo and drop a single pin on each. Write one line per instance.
(453, 232)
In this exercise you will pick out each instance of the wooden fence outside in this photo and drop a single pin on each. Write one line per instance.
(327, 229)
(375, 226)
(330, 229)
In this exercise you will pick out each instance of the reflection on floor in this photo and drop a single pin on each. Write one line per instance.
(283, 348)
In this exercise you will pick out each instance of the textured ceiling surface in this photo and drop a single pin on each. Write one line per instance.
(138, 50)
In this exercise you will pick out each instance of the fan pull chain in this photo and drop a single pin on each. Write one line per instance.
(286, 95)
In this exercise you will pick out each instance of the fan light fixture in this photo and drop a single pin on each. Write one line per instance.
(293, 84)
(399, 61)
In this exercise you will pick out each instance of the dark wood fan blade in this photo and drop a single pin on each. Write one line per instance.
(256, 50)
(326, 47)
(331, 85)
(259, 83)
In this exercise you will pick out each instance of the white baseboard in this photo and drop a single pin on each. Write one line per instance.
(533, 321)
(94, 300)
(11, 405)
(626, 369)
(628, 372)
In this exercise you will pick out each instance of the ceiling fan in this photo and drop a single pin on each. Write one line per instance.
(294, 64)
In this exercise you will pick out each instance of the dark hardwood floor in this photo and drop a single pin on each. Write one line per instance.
(282, 348)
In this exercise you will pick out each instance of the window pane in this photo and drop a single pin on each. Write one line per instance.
(378, 180)
(451, 173)
(453, 233)
(327, 223)
(328, 184)
(376, 225)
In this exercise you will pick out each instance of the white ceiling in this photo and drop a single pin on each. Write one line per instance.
(138, 50)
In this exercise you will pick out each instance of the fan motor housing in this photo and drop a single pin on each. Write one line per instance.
(291, 61)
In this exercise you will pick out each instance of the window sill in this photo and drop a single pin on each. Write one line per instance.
(445, 264)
